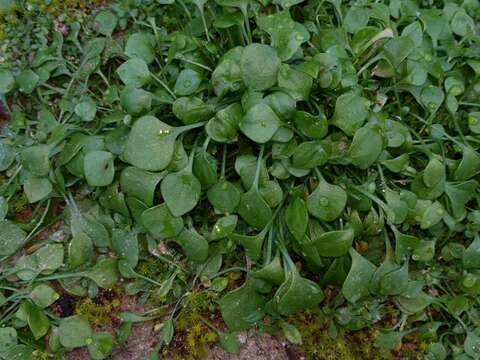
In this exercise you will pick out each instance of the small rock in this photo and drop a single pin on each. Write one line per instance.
(242, 337)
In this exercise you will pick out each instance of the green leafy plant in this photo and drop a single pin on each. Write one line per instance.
(279, 156)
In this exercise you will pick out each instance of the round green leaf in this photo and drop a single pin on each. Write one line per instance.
(98, 168)
(104, 273)
(100, 346)
(296, 287)
(224, 196)
(259, 66)
(260, 123)
(242, 307)
(361, 271)
(181, 192)
(254, 209)
(74, 332)
(12, 238)
(35, 159)
(135, 101)
(140, 183)
(192, 109)
(351, 111)
(105, 22)
(296, 217)
(43, 295)
(309, 155)
(315, 127)
(7, 155)
(227, 76)
(134, 72)
(37, 188)
(187, 82)
(150, 136)
(366, 147)
(224, 126)
(27, 81)
(193, 244)
(334, 243)
(160, 222)
(140, 45)
(7, 81)
(80, 250)
(327, 201)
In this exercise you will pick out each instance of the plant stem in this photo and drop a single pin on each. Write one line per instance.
(259, 166)
(224, 161)
(165, 86)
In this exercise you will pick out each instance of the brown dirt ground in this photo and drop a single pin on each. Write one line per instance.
(144, 337)
(255, 346)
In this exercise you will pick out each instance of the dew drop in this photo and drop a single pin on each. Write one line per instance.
(324, 201)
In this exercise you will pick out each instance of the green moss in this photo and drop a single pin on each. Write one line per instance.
(150, 267)
(99, 314)
(193, 338)
(17, 204)
(318, 344)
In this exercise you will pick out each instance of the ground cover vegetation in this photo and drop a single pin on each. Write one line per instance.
(306, 168)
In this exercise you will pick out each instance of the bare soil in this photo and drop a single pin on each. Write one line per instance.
(144, 337)
(255, 346)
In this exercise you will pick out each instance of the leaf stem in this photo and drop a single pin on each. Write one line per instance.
(40, 222)
(184, 7)
(62, 276)
(468, 104)
(224, 162)
(205, 67)
(235, 268)
(204, 21)
(259, 166)
(185, 128)
(146, 278)
(165, 86)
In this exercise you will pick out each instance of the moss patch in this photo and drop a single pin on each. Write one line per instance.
(318, 342)
(100, 310)
(193, 338)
